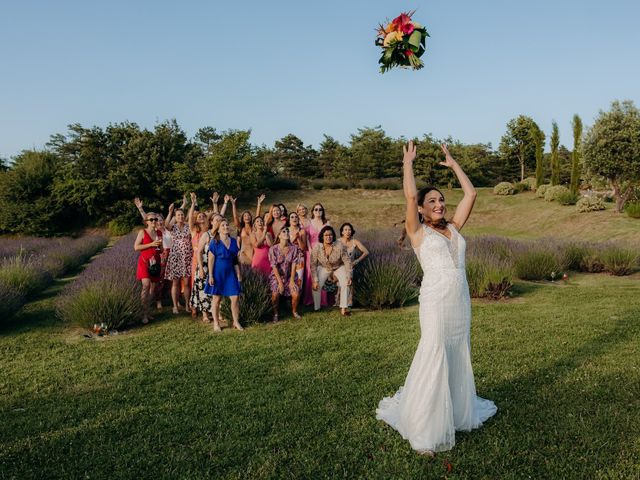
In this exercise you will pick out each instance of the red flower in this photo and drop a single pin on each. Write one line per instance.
(403, 24)
(408, 53)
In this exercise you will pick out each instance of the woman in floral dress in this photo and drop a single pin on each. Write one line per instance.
(284, 257)
(179, 261)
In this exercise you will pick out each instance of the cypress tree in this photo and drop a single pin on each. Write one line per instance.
(539, 139)
(576, 123)
(555, 163)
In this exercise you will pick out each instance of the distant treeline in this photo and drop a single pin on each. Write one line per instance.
(89, 176)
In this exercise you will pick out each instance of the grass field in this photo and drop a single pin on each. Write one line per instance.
(517, 216)
(297, 399)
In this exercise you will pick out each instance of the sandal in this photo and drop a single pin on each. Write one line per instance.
(297, 316)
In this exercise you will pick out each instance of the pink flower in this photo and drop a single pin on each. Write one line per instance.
(403, 23)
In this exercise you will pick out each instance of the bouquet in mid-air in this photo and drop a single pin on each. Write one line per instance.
(403, 43)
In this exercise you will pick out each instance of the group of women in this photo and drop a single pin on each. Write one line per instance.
(300, 254)
(198, 255)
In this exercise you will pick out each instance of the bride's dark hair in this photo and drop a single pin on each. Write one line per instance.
(422, 193)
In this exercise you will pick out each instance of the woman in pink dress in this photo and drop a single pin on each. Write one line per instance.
(317, 222)
(261, 241)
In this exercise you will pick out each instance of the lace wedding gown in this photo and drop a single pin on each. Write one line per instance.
(439, 393)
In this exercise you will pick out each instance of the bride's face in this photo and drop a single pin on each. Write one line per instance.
(433, 207)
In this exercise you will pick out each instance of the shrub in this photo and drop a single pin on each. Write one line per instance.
(632, 209)
(24, 245)
(542, 190)
(106, 291)
(255, 300)
(488, 276)
(108, 301)
(388, 277)
(120, 226)
(11, 300)
(381, 184)
(282, 183)
(574, 256)
(504, 188)
(567, 198)
(520, 187)
(589, 204)
(536, 263)
(335, 183)
(530, 182)
(619, 260)
(552, 193)
(24, 274)
(592, 263)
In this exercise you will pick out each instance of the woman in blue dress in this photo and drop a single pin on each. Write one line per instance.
(224, 275)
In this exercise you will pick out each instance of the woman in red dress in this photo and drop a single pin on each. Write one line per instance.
(149, 244)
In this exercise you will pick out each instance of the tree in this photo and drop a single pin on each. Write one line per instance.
(26, 201)
(539, 141)
(555, 162)
(333, 159)
(518, 145)
(231, 166)
(294, 159)
(373, 154)
(576, 124)
(612, 149)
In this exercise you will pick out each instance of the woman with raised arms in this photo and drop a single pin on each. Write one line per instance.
(439, 393)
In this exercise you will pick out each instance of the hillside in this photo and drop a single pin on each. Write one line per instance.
(517, 216)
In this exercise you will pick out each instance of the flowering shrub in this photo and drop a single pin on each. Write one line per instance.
(542, 190)
(536, 263)
(530, 182)
(106, 291)
(255, 300)
(37, 262)
(504, 188)
(619, 260)
(589, 204)
(25, 245)
(389, 277)
(567, 198)
(551, 193)
(490, 266)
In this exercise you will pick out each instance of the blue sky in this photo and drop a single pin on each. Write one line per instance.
(310, 68)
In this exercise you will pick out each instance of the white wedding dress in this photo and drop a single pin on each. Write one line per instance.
(439, 393)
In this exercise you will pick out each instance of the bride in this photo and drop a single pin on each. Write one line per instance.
(439, 393)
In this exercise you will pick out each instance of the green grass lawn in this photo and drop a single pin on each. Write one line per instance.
(518, 216)
(298, 399)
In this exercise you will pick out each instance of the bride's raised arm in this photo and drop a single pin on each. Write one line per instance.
(412, 221)
(463, 210)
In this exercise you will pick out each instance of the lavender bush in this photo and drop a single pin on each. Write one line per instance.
(619, 260)
(255, 300)
(106, 291)
(12, 246)
(389, 277)
(490, 269)
(30, 264)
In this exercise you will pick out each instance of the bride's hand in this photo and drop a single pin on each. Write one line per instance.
(448, 159)
(409, 152)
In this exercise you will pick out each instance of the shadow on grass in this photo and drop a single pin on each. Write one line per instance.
(566, 410)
